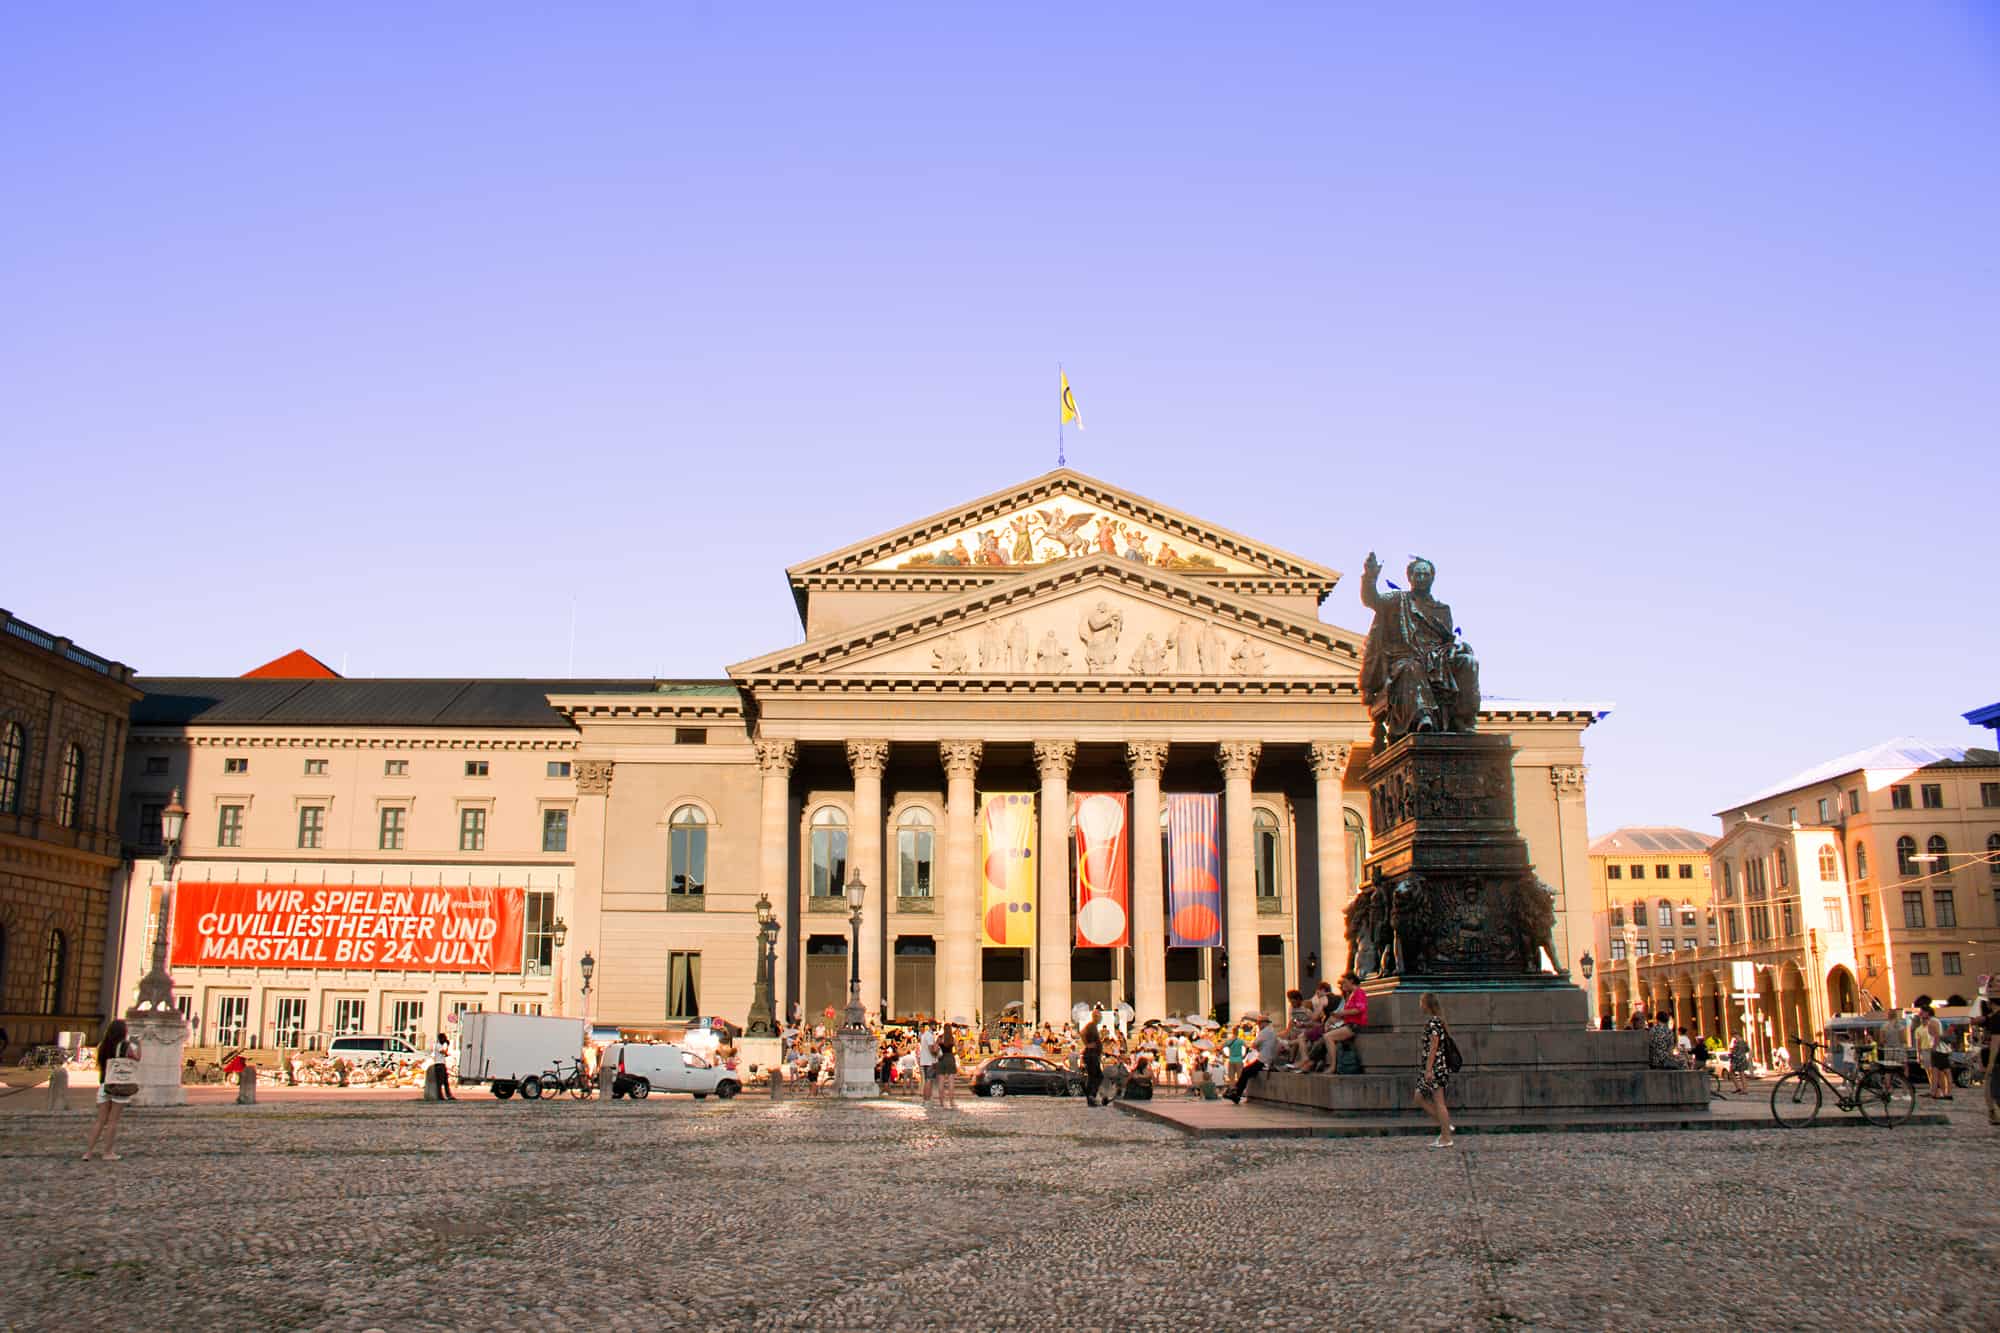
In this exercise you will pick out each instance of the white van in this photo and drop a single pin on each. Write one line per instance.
(374, 1050)
(646, 1068)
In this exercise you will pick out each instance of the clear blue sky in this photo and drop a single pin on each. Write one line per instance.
(1669, 332)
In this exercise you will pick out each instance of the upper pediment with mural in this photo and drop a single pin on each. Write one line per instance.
(1094, 616)
(1061, 516)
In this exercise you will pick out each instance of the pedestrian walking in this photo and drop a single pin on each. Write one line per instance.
(1739, 1061)
(1093, 1060)
(947, 1070)
(440, 1071)
(118, 1084)
(1931, 1051)
(1989, 1025)
(812, 1072)
(1435, 1065)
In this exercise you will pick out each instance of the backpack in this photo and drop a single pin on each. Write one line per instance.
(1453, 1060)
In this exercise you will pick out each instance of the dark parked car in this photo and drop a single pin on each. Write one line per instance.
(1010, 1075)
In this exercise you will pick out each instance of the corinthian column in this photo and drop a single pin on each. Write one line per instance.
(1149, 908)
(867, 759)
(774, 760)
(1329, 765)
(958, 984)
(1053, 759)
(1239, 761)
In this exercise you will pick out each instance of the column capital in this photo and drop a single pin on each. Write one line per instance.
(1567, 779)
(1146, 758)
(775, 757)
(593, 777)
(1053, 758)
(1329, 759)
(867, 757)
(961, 758)
(1238, 758)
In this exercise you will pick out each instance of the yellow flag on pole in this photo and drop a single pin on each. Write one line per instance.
(1069, 412)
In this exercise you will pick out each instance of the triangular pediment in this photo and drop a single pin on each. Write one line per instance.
(1061, 517)
(1096, 616)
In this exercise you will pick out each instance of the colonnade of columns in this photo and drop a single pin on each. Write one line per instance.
(1779, 1013)
(958, 925)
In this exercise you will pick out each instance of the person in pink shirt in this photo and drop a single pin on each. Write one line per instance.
(1351, 1017)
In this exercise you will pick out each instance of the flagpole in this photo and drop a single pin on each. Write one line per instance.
(1061, 460)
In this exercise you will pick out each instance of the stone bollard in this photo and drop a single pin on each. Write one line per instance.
(605, 1074)
(59, 1089)
(433, 1076)
(246, 1085)
(777, 1083)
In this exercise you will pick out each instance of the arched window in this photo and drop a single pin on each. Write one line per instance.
(1665, 916)
(1827, 870)
(69, 789)
(1265, 842)
(1784, 869)
(1618, 914)
(687, 845)
(1993, 855)
(13, 757)
(1860, 860)
(915, 844)
(1936, 847)
(1357, 845)
(54, 965)
(829, 853)
(1906, 855)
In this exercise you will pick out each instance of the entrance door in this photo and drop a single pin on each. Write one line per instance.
(1271, 975)
(916, 977)
(1006, 982)
(1184, 981)
(1091, 977)
(826, 977)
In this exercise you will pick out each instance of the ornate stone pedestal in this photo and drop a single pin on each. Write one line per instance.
(856, 1059)
(1452, 906)
(162, 1036)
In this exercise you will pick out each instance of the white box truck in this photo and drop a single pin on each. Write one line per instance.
(518, 1052)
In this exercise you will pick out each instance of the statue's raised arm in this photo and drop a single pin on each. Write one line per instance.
(1371, 570)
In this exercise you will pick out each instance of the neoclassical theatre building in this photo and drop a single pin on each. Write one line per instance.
(966, 690)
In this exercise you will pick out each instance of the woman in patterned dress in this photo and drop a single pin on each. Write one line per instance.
(1434, 1072)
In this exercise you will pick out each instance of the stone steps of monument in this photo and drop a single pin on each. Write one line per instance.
(1490, 1089)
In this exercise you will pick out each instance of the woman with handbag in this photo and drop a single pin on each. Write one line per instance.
(118, 1083)
(1436, 1065)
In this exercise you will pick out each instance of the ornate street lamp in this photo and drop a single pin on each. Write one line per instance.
(761, 1023)
(856, 1017)
(559, 933)
(156, 988)
(587, 965)
(1589, 964)
(158, 1027)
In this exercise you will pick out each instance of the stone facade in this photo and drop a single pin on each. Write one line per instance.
(1060, 637)
(62, 742)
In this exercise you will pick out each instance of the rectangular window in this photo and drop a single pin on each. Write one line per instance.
(558, 768)
(1665, 916)
(393, 817)
(1836, 919)
(1899, 797)
(407, 1021)
(1953, 965)
(1854, 801)
(690, 735)
(1730, 927)
(1933, 795)
(1691, 943)
(555, 830)
(1687, 914)
(472, 830)
(312, 825)
(1822, 806)
(151, 822)
(1618, 951)
(1618, 914)
(1667, 944)
(232, 1013)
(1913, 909)
(1867, 912)
(229, 826)
(235, 765)
(1614, 872)
(683, 985)
(349, 1017)
(539, 957)
(1642, 947)
(1946, 904)
(395, 768)
(315, 768)
(1791, 814)
(476, 768)
(1687, 871)
(1989, 795)
(1788, 919)
(1920, 964)
(290, 1027)
(526, 1006)
(156, 766)
(1662, 872)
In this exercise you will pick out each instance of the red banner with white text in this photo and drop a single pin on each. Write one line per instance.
(381, 928)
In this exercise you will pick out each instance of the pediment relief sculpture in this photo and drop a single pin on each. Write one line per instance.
(1043, 534)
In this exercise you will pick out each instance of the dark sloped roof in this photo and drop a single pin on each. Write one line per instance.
(172, 701)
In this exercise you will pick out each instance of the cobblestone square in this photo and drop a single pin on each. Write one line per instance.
(355, 1213)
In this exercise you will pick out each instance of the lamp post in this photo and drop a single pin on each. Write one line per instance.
(558, 936)
(1589, 964)
(761, 1024)
(855, 1043)
(152, 1020)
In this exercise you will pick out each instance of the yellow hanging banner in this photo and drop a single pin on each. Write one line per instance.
(1007, 868)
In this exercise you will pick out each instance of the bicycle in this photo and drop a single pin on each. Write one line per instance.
(574, 1080)
(1882, 1093)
